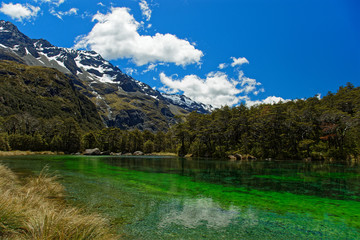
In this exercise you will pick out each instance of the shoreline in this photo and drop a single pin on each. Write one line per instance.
(35, 208)
(24, 153)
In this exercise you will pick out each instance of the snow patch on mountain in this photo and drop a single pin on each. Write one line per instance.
(2, 29)
(88, 66)
(187, 103)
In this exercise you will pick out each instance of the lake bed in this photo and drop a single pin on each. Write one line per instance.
(176, 198)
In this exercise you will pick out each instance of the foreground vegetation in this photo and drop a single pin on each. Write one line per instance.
(327, 128)
(23, 153)
(36, 209)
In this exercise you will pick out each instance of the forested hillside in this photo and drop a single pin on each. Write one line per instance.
(38, 104)
(313, 128)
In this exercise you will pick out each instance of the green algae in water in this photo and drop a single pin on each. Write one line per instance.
(170, 198)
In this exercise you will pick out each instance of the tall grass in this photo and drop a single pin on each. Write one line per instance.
(36, 209)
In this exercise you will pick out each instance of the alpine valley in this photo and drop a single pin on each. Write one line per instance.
(34, 68)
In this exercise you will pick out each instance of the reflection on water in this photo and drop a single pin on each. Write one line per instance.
(176, 198)
(336, 181)
(202, 211)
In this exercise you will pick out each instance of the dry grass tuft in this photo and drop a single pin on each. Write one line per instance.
(37, 210)
(23, 153)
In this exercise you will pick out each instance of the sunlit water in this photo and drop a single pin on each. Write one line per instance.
(175, 198)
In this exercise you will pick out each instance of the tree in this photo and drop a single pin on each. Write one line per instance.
(159, 142)
(89, 140)
(71, 136)
(4, 144)
(148, 146)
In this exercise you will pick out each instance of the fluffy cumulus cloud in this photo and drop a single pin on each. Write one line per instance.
(238, 61)
(216, 89)
(115, 36)
(19, 12)
(146, 11)
(268, 100)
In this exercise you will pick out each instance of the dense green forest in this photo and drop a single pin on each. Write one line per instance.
(327, 128)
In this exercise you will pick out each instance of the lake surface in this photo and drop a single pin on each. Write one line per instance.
(176, 198)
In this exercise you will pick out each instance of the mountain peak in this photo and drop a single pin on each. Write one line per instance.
(8, 26)
(115, 93)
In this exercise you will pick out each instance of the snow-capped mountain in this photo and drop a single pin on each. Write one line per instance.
(187, 103)
(121, 100)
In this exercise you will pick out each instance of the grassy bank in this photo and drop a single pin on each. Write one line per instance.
(163, 154)
(36, 209)
(23, 153)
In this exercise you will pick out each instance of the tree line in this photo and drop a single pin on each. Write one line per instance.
(24, 132)
(305, 128)
(313, 128)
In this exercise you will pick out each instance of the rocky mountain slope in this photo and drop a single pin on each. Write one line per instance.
(38, 93)
(120, 100)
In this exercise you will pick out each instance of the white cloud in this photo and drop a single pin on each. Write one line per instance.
(72, 11)
(150, 67)
(101, 4)
(60, 14)
(222, 65)
(248, 84)
(145, 10)
(239, 61)
(259, 91)
(130, 71)
(217, 89)
(19, 12)
(268, 100)
(55, 2)
(115, 35)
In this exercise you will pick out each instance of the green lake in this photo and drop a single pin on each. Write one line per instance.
(177, 198)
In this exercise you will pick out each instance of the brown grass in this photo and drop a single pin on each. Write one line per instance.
(162, 154)
(36, 209)
(20, 153)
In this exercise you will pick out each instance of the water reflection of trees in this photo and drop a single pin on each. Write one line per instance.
(316, 178)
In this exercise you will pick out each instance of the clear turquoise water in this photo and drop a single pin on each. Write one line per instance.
(175, 198)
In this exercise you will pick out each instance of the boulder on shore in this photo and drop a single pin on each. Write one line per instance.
(116, 154)
(239, 157)
(138, 153)
(235, 157)
(94, 151)
(105, 153)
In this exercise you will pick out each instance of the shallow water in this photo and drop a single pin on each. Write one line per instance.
(176, 198)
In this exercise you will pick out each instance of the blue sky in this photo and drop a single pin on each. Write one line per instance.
(221, 52)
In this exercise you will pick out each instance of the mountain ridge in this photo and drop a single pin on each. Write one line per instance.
(121, 100)
(30, 94)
